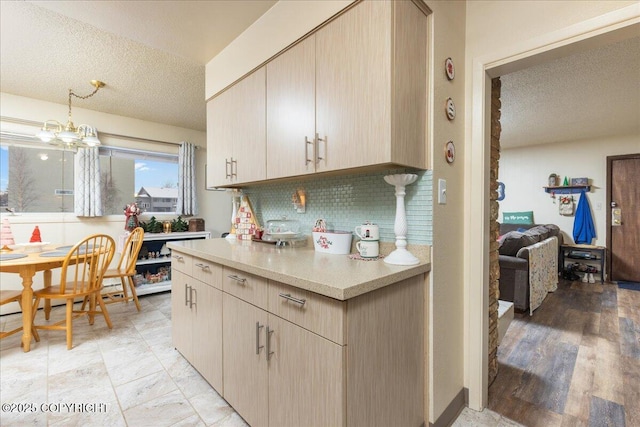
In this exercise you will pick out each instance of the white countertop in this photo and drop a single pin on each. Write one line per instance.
(335, 276)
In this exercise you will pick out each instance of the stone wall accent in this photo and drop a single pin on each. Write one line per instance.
(494, 230)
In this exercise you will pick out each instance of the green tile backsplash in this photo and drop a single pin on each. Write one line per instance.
(347, 201)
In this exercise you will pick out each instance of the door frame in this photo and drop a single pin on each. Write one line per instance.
(610, 160)
(608, 28)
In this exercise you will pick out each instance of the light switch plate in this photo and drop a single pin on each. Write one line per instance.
(442, 191)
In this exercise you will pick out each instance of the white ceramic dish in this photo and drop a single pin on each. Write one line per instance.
(332, 242)
(32, 248)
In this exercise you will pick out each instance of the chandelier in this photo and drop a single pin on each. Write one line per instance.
(70, 136)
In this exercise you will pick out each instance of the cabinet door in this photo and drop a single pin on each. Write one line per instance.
(250, 144)
(220, 124)
(306, 385)
(207, 333)
(181, 318)
(291, 111)
(353, 87)
(236, 133)
(244, 362)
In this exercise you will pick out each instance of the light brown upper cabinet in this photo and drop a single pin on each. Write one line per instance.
(236, 133)
(351, 95)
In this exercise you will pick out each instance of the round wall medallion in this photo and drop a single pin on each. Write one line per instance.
(450, 151)
(449, 69)
(450, 108)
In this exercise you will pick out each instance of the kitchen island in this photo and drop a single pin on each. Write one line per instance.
(289, 336)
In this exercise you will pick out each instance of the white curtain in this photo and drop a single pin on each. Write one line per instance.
(186, 180)
(88, 191)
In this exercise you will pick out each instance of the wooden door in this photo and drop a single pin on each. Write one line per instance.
(246, 373)
(623, 239)
(219, 140)
(181, 318)
(236, 133)
(248, 108)
(353, 87)
(291, 111)
(207, 333)
(306, 383)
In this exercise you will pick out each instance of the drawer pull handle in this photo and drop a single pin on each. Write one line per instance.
(178, 257)
(237, 279)
(258, 346)
(202, 266)
(293, 299)
(269, 352)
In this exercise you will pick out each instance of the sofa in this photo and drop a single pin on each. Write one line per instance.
(514, 244)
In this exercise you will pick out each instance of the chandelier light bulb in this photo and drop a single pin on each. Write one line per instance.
(52, 131)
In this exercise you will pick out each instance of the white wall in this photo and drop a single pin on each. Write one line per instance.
(525, 170)
(446, 293)
(499, 35)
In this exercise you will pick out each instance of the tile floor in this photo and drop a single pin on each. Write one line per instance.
(128, 376)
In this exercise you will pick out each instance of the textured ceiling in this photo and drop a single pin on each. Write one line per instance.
(152, 55)
(591, 94)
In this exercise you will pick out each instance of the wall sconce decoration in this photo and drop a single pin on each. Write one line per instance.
(299, 200)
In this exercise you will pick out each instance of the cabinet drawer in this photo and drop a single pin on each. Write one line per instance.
(247, 287)
(317, 313)
(181, 262)
(207, 272)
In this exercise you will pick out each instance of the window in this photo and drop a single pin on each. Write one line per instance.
(39, 178)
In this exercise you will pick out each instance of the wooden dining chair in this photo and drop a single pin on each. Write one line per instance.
(7, 297)
(80, 276)
(125, 270)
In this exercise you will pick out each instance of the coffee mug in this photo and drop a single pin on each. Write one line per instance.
(368, 232)
(367, 248)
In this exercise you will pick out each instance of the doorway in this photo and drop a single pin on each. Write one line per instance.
(477, 215)
(623, 221)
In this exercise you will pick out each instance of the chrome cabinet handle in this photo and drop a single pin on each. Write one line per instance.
(203, 266)
(186, 300)
(193, 291)
(269, 352)
(300, 301)
(318, 139)
(258, 346)
(234, 162)
(226, 168)
(178, 257)
(307, 160)
(237, 279)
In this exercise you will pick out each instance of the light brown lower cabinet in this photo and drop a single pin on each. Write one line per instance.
(196, 316)
(277, 373)
(303, 359)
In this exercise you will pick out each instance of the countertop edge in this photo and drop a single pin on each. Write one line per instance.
(356, 289)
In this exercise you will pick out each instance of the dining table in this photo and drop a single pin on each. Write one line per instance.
(27, 265)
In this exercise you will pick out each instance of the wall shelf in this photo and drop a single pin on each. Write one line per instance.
(568, 189)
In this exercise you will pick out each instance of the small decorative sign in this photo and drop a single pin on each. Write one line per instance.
(450, 109)
(450, 152)
(449, 69)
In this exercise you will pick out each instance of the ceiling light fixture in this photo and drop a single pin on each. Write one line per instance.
(70, 136)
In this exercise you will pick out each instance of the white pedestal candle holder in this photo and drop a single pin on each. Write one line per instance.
(401, 256)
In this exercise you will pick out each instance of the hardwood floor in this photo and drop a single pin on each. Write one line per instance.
(575, 362)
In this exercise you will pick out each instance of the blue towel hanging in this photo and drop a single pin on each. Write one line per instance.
(584, 231)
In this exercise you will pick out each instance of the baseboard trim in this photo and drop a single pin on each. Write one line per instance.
(454, 408)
